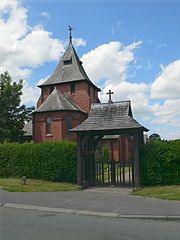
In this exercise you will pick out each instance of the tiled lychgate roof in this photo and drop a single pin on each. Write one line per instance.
(110, 116)
(69, 69)
(58, 101)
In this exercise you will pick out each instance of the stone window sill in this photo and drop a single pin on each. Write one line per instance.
(48, 135)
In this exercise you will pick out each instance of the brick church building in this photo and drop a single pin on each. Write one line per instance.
(64, 103)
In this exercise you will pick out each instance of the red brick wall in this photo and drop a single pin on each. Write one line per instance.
(120, 148)
(81, 96)
(45, 91)
(58, 126)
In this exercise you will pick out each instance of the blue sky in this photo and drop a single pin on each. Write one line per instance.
(131, 47)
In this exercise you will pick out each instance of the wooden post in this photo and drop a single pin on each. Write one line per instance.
(136, 158)
(24, 180)
(79, 161)
(113, 176)
(93, 161)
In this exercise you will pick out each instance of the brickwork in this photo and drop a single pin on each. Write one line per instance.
(84, 95)
(120, 149)
(59, 129)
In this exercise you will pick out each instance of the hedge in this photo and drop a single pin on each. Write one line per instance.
(54, 161)
(160, 163)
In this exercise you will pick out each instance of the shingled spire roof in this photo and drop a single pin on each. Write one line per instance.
(109, 116)
(58, 101)
(69, 69)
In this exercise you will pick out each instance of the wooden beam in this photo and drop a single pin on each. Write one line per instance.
(79, 161)
(137, 143)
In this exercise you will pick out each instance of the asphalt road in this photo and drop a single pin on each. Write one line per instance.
(111, 200)
(21, 224)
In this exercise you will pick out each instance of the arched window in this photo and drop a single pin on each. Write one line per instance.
(48, 125)
(68, 123)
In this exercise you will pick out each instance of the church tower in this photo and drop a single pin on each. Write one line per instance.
(66, 97)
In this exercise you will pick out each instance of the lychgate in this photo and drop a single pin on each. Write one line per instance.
(108, 119)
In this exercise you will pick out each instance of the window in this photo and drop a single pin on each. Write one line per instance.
(68, 61)
(48, 125)
(73, 88)
(68, 123)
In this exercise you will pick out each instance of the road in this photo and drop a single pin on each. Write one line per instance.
(21, 224)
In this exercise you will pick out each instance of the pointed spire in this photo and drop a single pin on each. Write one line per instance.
(70, 33)
(69, 68)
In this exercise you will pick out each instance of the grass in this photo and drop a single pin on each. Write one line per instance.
(15, 185)
(161, 192)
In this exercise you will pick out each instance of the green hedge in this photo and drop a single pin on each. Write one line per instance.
(54, 161)
(160, 163)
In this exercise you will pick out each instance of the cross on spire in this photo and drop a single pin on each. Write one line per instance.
(70, 32)
(110, 93)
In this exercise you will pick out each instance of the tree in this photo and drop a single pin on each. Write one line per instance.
(12, 114)
(154, 137)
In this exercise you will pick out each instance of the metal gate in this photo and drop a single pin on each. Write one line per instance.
(117, 173)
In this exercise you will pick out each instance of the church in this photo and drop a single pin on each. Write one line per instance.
(65, 102)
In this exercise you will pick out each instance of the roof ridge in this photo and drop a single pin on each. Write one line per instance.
(58, 101)
(124, 101)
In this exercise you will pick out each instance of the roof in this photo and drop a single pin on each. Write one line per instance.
(28, 128)
(69, 69)
(109, 116)
(58, 101)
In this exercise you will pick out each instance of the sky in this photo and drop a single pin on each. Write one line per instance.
(130, 47)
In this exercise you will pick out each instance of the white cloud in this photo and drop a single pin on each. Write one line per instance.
(167, 85)
(23, 47)
(109, 64)
(166, 133)
(136, 92)
(169, 108)
(45, 14)
(30, 94)
(168, 113)
(79, 42)
(36, 48)
(109, 61)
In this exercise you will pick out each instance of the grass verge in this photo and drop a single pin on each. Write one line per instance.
(161, 192)
(15, 185)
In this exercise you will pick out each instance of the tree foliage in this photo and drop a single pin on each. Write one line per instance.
(12, 114)
(154, 137)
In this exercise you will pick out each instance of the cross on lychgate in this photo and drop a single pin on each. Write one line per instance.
(110, 93)
(70, 31)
